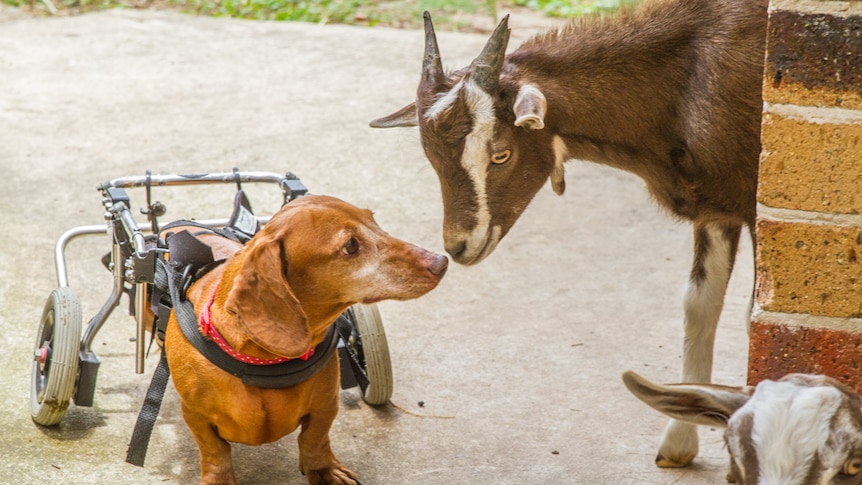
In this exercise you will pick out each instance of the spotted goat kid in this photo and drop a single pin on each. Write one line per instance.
(799, 430)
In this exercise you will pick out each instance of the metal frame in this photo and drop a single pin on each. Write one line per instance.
(123, 229)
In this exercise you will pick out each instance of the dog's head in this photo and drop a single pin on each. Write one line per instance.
(317, 256)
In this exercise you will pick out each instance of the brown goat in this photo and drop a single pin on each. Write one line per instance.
(670, 91)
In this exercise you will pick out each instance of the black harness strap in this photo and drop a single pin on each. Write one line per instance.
(190, 259)
(137, 451)
(140, 440)
(276, 376)
(346, 354)
(225, 232)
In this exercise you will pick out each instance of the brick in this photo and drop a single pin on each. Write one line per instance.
(813, 59)
(776, 350)
(810, 166)
(809, 268)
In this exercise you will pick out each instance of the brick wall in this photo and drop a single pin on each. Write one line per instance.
(808, 295)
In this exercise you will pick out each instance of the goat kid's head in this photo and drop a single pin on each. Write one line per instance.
(482, 130)
(800, 430)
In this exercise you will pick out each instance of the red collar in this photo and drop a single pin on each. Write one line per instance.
(209, 330)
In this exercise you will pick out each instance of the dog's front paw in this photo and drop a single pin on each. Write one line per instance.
(337, 474)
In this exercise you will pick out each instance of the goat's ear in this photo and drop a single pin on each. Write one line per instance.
(530, 107)
(265, 305)
(703, 404)
(405, 116)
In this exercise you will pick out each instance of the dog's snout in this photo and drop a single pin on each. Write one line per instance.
(439, 265)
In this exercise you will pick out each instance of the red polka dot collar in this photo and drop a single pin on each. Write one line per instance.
(209, 330)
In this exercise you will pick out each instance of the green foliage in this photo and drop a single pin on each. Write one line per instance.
(570, 8)
(369, 12)
(448, 14)
(335, 11)
(65, 6)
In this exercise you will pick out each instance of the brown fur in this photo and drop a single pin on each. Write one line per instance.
(684, 107)
(277, 297)
(669, 90)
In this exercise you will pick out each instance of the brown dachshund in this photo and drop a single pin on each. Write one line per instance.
(276, 297)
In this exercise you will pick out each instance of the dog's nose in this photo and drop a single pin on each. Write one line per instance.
(439, 265)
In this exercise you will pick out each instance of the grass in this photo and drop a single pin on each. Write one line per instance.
(570, 8)
(449, 14)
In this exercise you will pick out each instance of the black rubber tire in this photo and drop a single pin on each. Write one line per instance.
(53, 381)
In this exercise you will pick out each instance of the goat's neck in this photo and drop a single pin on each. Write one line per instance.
(612, 98)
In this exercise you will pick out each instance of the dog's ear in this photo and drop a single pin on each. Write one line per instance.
(264, 303)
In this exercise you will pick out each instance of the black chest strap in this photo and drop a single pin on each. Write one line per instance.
(276, 376)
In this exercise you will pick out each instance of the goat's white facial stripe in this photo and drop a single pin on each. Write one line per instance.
(481, 239)
(444, 102)
(475, 162)
(791, 424)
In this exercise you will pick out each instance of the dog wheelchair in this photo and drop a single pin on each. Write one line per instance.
(65, 366)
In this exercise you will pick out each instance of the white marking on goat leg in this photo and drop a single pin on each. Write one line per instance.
(703, 303)
(444, 102)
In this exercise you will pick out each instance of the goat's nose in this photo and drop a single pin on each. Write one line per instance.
(456, 250)
(439, 265)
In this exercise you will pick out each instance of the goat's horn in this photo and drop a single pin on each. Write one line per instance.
(432, 68)
(485, 69)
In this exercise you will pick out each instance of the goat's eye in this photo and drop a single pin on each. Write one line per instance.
(352, 246)
(501, 157)
(852, 467)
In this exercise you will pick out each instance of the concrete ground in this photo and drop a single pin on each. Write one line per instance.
(517, 361)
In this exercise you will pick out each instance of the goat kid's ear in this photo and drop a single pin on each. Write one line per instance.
(530, 108)
(405, 116)
(266, 307)
(703, 404)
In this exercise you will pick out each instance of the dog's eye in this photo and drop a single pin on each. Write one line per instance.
(500, 158)
(352, 246)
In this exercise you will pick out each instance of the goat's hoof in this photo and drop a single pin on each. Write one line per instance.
(663, 462)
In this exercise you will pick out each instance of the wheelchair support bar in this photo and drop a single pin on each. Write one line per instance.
(126, 233)
(60, 248)
(290, 184)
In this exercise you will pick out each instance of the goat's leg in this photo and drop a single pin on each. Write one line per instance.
(715, 247)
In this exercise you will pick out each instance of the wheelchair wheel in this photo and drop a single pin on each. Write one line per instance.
(55, 361)
(374, 352)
